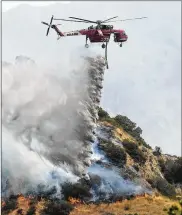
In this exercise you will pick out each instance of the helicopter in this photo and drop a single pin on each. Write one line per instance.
(100, 33)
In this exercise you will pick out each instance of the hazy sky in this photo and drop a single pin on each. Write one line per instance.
(144, 78)
(12, 4)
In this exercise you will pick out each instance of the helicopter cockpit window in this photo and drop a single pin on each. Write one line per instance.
(104, 27)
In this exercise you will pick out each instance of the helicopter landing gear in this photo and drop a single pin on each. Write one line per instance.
(103, 46)
(120, 44)
(86, 45)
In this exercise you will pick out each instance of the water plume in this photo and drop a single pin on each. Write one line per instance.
(48, 121)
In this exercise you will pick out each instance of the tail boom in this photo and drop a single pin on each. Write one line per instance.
(70, 33)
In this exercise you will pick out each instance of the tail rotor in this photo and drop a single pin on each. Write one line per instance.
(49, 25)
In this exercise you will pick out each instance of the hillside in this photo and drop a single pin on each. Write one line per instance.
(127, 151)
(140, 205)
(161, 171)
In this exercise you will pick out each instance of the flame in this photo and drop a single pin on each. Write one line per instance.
(74, 201)
(141, 195)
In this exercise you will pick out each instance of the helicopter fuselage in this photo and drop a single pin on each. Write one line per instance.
(96, 34)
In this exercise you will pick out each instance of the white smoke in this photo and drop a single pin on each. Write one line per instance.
(22, 166)
(48, 117)
(113, 184)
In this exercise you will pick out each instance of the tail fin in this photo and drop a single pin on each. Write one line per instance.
(60, 34)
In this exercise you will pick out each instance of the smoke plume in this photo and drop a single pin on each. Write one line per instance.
(48, 119)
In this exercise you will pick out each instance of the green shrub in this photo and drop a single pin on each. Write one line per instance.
(162, 186)
(133, 150)
(173, 172)
(171, 169)
(115, 153)
(180, 202)
(102, 113)
(79, 191)
(125, 122)
(161, 164)
(173, 210)
(31, 210)
(10, 205)
(112, 121)
(57, 208)
(141, 141)
(157, 151)
(127, 207)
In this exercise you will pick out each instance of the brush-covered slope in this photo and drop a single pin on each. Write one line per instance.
(118, 147)
(163, 173)
(139, 205)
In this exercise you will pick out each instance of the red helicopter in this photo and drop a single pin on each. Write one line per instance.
(96, 34)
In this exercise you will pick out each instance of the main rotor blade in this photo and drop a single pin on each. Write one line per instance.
(45, 23)
(128, 19)
(50, 25)
(83, 20)
(67, 20)
(109, 19)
